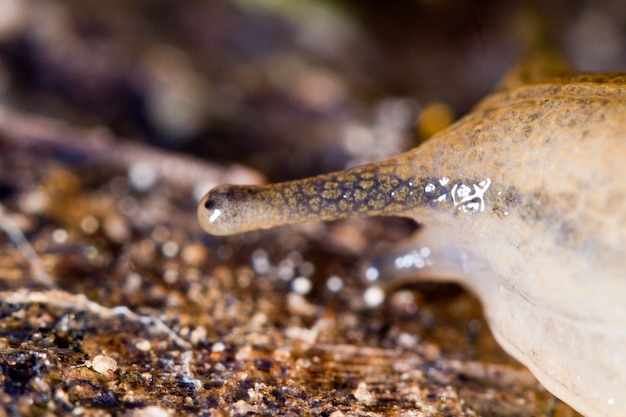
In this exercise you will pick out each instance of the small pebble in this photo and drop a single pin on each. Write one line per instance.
(143, 345)
(363, 395)
(152, 411)
(104, 365)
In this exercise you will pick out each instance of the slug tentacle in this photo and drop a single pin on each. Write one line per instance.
(428, 254)
(397, 187)
(364, 191)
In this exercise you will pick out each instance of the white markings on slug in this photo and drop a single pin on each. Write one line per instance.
(214, 216)
(464, 199)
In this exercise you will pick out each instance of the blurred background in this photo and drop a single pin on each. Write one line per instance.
(291, 88)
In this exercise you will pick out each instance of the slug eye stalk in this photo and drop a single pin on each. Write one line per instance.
(390, 188)
(364, 191)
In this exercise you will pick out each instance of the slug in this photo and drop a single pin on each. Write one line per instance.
(523, 201)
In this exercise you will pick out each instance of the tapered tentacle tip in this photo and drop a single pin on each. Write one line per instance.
(220, 212)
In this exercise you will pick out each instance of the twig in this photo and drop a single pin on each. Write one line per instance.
(79, 302)
(23, 129)
(17, 236)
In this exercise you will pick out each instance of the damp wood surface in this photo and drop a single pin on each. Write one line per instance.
(147, 315)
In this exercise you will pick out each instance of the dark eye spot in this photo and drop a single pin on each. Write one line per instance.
(209, 204)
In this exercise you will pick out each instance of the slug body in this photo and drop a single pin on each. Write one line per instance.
(523, 202)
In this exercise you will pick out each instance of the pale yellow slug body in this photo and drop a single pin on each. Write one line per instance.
(524, 200)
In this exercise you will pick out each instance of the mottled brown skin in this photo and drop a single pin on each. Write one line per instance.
(524, 202)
